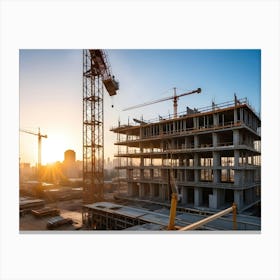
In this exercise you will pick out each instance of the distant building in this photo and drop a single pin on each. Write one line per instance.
(69, 156)
(108, 164)
(26, 171)
(70, 167)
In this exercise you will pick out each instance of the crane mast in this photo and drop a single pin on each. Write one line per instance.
(96, 76)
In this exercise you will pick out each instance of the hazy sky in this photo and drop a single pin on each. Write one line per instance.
(51, 90)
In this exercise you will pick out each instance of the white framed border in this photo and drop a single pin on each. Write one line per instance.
(140, 24)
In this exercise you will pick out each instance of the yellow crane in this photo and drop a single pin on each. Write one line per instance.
(174, 97)
(40, 136)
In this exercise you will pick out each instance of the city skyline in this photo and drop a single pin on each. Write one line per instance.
(51, 91)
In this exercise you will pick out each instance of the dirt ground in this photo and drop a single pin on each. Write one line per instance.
(68, 209)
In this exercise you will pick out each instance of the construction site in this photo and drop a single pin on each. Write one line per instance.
(199, 169)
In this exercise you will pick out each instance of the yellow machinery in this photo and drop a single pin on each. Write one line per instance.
(174, 200)
(173, 207)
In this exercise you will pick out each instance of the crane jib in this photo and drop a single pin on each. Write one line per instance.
(173, 97)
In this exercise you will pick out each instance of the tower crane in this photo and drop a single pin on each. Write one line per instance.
(40, 136)
(96, 76)
(174, 97)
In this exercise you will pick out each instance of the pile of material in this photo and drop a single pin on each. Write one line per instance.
(46, 211)
(58, 221)
(29, 203)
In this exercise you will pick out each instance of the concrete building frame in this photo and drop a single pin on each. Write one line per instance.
(214, 152)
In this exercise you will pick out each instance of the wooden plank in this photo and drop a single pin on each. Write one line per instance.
(208, 219)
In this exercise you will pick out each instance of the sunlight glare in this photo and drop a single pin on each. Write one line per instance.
(53, 149)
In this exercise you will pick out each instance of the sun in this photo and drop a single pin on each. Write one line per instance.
(53, 149)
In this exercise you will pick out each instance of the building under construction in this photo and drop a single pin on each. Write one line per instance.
(209, 158)
(213, 152)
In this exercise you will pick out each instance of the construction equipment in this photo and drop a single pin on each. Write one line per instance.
(174, 200)
(175, 98)
(96, 76)
(39, 144)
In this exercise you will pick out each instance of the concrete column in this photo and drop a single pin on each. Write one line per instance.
(241, 115)
(216, 164)
(216, 119)
(195, 123)
(213, 200)
(238, 178)
(235, 137)
(195, 160)
(250, 120)
(235, 116)
(216, 159)
(184, 195)
(197, 196)
(238, 198)
(216, 176)
(188, 142)
(217, 199)
(141, 133)
(215, 139)
(196, 141)
(246, 117)
(236, 158)
(246, 158)
(184, 125)
(196, 171)
(141, 191)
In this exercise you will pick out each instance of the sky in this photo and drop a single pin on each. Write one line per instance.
(50, 91)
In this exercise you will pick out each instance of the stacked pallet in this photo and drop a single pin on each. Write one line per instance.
(46, 211)
(58, 221)
(28, 204)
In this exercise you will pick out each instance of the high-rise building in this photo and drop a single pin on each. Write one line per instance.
(69, 165)
(69, 156)
(214, 154)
